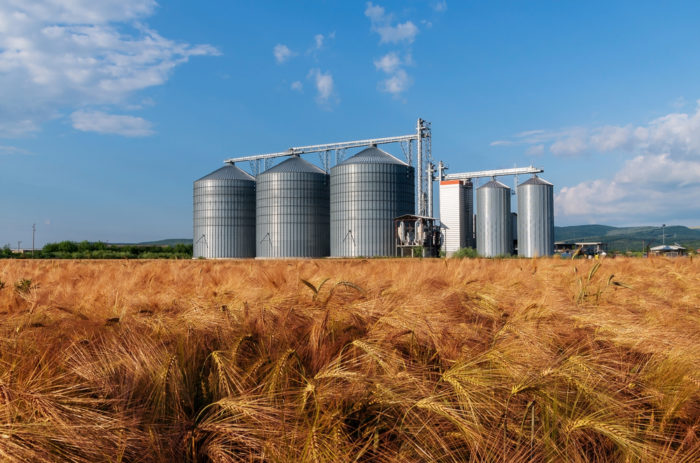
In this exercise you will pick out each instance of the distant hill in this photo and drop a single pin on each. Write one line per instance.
(629, 238)
(617, 238)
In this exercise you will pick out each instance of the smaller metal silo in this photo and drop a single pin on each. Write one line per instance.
(224, 214)
(536, 218)
(493, 220)
(293, 211)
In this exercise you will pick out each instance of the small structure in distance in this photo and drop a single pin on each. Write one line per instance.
(668, 250)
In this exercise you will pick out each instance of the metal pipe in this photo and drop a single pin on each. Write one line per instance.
(493, 173)
(431, 170)
(325, 147)
(419, 166)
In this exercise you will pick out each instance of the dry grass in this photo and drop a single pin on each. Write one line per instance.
(342, 361)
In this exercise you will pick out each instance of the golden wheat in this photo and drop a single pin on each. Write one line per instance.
(351, 360)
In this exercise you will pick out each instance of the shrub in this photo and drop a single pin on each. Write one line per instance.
(465, 252)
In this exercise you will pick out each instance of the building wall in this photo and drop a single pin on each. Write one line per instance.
(452, 217)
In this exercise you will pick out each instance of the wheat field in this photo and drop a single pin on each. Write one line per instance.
(350, 360)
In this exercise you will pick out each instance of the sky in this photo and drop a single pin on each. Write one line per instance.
(110, 110)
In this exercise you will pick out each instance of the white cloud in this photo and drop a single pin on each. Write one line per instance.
(5, 149)
(535, 150)
(440, 6)
(324, 85)
(320, 42)
(101, 122)
(660, 182)
(398, 80)
(648, 189)
(375, 13)
(405, 32)
(388, 63)
(282, 53)
(297, 86)
(397, 83)
(383, 24)
(569, 146)
(675, 133)
(61, 54)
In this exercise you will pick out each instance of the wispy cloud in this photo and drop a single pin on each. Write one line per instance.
(389, 31)
(398, 80)
(297, 86)
(320, 40)
(535, 150)
(10, 150)
(440, 6)
(324, 86)
(282, 53)
(677, 133)
(101, 122)
(660, 177)
(56, 55)
(388, 63)
(647, 186)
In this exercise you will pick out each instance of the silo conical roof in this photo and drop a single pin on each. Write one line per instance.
(228, 172)
(493, 184)
(295, 164)
(535, 180)
(373, 155)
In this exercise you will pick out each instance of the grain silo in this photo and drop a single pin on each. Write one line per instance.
(292, 213)
(224, 214)
(536, 218)
(493, 220)
(456, 214)
(368, 191)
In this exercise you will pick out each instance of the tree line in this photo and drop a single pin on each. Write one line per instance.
(100, 250)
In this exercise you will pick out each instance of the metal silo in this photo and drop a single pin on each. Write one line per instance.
(493, 220)
(224, 214)
(292, 214)
(536, 218)
(368, 191)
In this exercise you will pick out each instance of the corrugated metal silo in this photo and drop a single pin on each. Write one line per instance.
(368, 191)
(224, 214)
(536, 218)
(293, 211)
(493, 220)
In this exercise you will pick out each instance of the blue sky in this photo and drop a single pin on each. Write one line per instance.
(110, 110)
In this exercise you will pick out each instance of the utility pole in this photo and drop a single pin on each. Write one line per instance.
(19, 243)
(33, 235)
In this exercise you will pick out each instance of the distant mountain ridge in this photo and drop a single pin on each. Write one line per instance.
(629, 238)
(617, 238)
